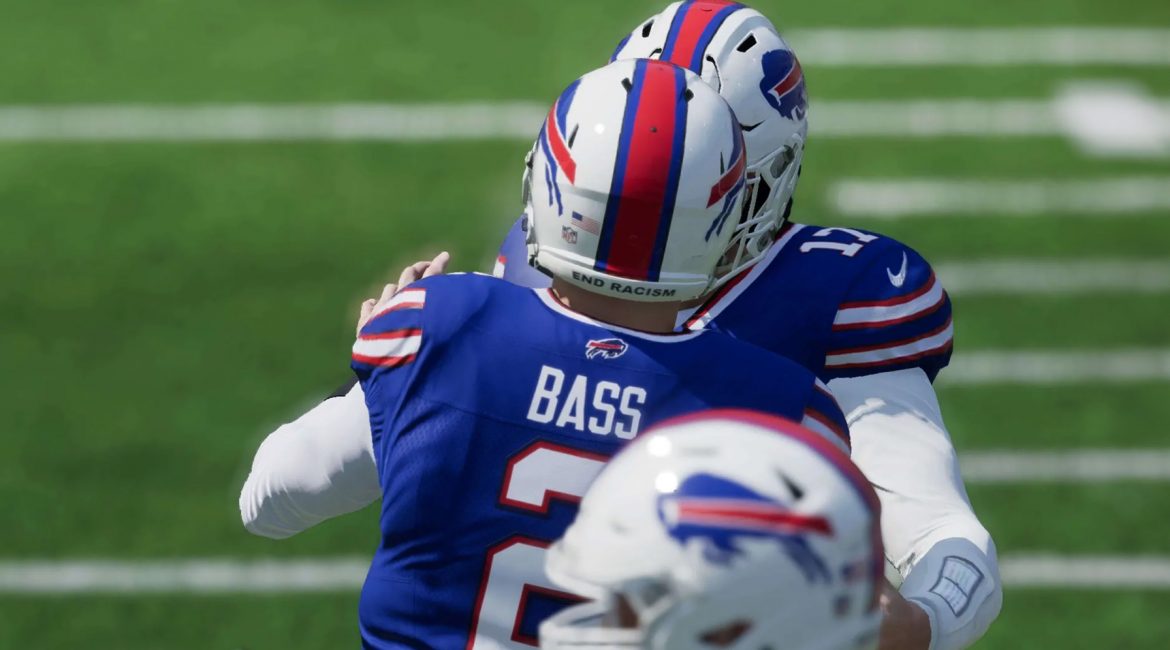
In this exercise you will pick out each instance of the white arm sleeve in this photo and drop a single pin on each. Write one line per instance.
(931, 534)
(317, 467)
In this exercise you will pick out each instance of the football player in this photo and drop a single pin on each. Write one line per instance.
(726, 529)
(863, 311)
(493, 406)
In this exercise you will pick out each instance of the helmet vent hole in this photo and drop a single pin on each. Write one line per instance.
(688, 94)
(646, 29)
(573, 135)
(627, 84)
(747, 44)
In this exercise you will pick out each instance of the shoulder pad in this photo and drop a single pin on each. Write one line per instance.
(894, 315)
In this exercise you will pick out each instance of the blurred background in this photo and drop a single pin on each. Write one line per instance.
(195, 196)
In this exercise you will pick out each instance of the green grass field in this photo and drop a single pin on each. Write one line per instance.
(163, 306)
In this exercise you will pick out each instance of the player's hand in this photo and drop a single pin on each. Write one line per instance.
(905, 625)
(412, 273)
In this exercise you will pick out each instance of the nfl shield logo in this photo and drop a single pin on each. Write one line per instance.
(568, 234)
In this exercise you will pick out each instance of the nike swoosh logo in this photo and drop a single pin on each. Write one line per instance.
(899, 278)
(749, 127)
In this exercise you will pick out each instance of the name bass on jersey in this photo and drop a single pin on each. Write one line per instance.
(599, 407)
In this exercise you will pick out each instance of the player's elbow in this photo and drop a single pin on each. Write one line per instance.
(257, 513)
(267, 507)
(958, 583)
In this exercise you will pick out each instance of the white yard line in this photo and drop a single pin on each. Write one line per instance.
(1066, 466)
(1085, 572)
(895, 198)
(272, 122)
(193, 576)
(1055, 367)
(345, 575)
(1015, 46)
(481, 121)
(1048, 277)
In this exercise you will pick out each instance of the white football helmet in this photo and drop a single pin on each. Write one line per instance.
(632, 181)
(726, 529)
(739, 53)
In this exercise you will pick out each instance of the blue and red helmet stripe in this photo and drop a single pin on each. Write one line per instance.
(692, 30)
(646, 173)
(734, 174)
(554, 135)
(729, 186)
(556, 150)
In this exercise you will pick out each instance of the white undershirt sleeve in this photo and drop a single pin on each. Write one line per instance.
(318, 467)
(932, 536)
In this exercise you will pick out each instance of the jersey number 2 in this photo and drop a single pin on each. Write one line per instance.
(513, 576)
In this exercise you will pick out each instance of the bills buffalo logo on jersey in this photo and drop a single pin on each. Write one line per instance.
(783, 84)
(605, 349)
(720, 513)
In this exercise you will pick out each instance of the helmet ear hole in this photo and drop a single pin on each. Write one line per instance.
(647, 27)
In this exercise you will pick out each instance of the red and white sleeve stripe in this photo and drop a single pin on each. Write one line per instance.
(921, 302)
(931, 342)
(405, 299)
(388, 349)
(394, 341)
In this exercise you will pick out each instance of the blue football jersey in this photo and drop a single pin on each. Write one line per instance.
(840, 301)
(492, 408)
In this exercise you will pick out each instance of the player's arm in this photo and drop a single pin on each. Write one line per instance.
(317, 467)
(932, 535)
(823, 415)
(891, 336)
(321, 465)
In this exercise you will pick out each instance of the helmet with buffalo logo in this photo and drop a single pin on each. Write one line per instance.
(634, 181)
(739, 52)
(726, 529)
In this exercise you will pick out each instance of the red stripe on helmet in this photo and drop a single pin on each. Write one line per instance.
(560, 150)
(698, 16)
(647, 172)
(728, 182)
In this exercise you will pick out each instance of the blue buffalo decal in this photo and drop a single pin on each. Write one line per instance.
(783, 84)
(720, 512)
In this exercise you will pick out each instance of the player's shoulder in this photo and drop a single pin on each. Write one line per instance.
(847, 254)
(445, 304)
(891, 311)
(430, 313)
(740, 357)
